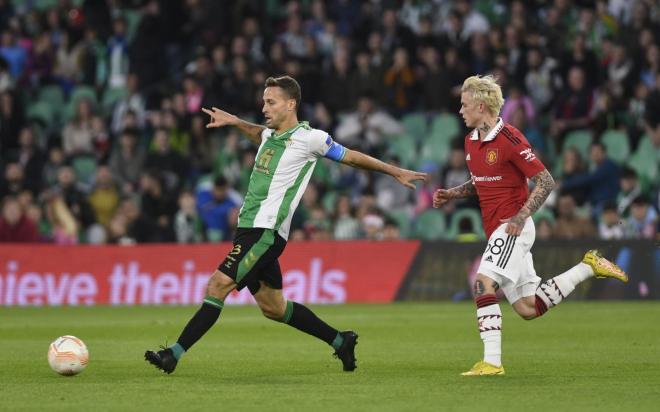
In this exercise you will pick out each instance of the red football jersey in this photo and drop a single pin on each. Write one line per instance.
(500, 167)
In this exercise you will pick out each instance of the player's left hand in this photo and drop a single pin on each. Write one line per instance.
(406, 177)
(515, 225)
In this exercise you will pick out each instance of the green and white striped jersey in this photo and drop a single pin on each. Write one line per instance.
(282, 169)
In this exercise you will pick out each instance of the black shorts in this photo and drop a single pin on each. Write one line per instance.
(254, 258)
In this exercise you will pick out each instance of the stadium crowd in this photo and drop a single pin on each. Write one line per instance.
(102, 139)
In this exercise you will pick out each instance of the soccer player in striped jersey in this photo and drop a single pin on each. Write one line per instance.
(501, 161)
(288, 152)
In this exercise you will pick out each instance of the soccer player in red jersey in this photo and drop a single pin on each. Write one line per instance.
(501, 161)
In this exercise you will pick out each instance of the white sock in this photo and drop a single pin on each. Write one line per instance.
(553, 291)
(490, 330)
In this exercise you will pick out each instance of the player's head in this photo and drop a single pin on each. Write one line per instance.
(281, 100)
(481, 98)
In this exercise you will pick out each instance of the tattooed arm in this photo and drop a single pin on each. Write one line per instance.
(544, 183)
(442, 196)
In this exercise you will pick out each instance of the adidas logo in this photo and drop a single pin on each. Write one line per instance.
(489, 259)
(467, 157)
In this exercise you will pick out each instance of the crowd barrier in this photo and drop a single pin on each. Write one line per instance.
(313, 272)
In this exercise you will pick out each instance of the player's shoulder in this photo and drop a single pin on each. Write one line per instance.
(512, 136)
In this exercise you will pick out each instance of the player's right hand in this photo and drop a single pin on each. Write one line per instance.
(440, 197)
(219, 117)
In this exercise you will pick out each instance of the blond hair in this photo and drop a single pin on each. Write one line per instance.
(485, 89)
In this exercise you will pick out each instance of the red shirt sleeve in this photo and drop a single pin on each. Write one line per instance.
(523, 157)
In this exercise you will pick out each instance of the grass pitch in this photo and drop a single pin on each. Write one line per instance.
(580, 356)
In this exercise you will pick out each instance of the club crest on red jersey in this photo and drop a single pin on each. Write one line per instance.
(491, 156)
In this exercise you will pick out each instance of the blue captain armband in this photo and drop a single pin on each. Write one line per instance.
(336, 151)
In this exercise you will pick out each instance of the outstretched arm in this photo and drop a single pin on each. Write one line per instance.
(221, 118)
(544, 183)
(362, 161)
(442, 196)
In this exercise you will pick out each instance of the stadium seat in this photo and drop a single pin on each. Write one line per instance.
(430, 225)
(416, 126)
(617, 145)
(42, 112)
(54, 96)
(110, 97)
(402, 219)
(645, 161)
(544, 213)
(434, 149)
(329, 200)
(405, 148)
(579, 139)
(85, 168)
(445, 126)
(78, 93)
(458, 215)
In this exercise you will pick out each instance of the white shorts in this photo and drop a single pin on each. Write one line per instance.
(508, 261)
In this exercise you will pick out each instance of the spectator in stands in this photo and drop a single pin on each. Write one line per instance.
(391, 230)
(436, 92)
(545, 228)
(368, 128)
(56, 159)
(390, 195)
(64, 227)
(68, 55)
(453, 174)
(610, 227)
(159, 204)
(74, 196)
(126, 161)
(187, 223)
(78, 135)
(602, 183)
(643, 219)
(569, 225)
(11, 122)
(629, 190)
(14, 180)
(14, 225)
(31, 159)
(15, 54)
(399, 81)
(168, 162)
(346, 226)
(372, 224)
(539, 79)
(105, 196)
(575, 106)
(133, 101)
(218, 211)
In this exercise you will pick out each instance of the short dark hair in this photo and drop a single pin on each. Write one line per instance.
(288, 84)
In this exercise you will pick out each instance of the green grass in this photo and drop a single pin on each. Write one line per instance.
(580, 356)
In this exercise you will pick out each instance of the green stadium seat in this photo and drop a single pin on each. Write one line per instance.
(645, 162)
(445, 126)
(460, 214)
(544, 213)
(581, 140)
(110, 97)
(617, 145)
(430, 225)
(434, 149)
(404, 147)
(42, 112)
(415, 126)
(329, 200)
(402, 219)
(85, 168)
(53, 95)
(78, 93)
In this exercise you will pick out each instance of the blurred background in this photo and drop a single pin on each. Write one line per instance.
(102, 140)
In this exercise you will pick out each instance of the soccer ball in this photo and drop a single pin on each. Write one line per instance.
(68, 355)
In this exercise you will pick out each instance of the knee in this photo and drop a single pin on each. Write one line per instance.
(273, 312)
(219, 285)
(526, 312)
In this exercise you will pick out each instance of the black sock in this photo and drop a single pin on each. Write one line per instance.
(205, 317)
(301, 318)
